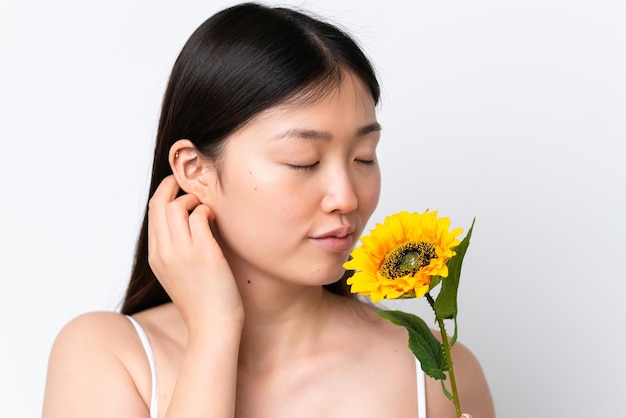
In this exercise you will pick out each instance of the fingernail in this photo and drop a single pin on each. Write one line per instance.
(466, 416)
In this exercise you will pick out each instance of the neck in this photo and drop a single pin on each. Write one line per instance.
(282, 322)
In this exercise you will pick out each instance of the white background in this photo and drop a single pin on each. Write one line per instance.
(513, 112)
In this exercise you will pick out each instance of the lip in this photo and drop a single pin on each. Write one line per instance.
(336, 244)
(337, 240)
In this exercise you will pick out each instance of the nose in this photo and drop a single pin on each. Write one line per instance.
(340, 195)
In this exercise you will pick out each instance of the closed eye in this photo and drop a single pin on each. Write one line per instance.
(304, 167)
(366, 162)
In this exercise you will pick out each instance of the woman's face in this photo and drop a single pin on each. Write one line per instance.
(297, 186)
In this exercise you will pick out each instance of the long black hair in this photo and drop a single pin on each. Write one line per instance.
(239, 62)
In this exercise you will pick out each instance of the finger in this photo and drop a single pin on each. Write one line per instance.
(466, 416)
(167, 190)
(151, 238)
(165, 193)
(201, 233)
(178, 219)
(204, 212)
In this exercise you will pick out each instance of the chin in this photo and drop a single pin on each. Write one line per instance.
(322, 278)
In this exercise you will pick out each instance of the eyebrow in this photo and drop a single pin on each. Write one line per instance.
(323, 135)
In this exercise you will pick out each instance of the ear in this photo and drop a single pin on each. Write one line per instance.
(195, 175)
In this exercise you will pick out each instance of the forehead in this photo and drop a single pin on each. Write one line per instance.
(347, 83)
(348, 105)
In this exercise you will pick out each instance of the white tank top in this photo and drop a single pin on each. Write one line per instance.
(154, 400)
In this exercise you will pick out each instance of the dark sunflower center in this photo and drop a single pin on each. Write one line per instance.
(408, 258)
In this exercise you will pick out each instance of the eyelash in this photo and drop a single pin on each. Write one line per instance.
(304, 167)
(366, 162)
(314, 165)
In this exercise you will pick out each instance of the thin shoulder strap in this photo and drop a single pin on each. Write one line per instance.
(154, 401)
(421, 390)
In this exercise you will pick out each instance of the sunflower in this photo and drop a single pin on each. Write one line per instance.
(400, 256)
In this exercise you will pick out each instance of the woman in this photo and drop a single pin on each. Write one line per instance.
(264, 176)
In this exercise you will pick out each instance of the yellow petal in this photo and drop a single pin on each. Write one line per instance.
(397, 230)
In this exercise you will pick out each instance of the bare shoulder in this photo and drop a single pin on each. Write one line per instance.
(95, 358)
(472, 385)
(471, 382)
(465, 362)
(96, 335)
(93, 327)
(364, 328)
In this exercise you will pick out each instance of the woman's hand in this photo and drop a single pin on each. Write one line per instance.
(188, 261)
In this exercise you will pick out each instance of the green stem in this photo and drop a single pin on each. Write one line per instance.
(446, 352)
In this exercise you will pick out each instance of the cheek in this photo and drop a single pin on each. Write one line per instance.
(369, 195)
(260, 194)
(257, 213)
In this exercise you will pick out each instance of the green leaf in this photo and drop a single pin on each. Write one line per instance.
(422, 342)
(446, 303)
(456, 333)
(446, 392)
